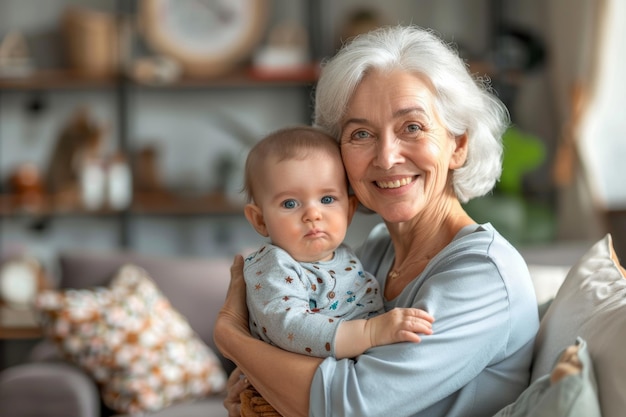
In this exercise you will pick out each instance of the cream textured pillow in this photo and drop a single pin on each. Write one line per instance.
(590, 304)
(142, 353)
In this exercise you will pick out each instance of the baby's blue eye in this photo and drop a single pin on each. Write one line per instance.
(289, 204)
(327, 199)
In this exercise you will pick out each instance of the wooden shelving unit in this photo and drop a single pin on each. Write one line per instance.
(60, 79)
(143, 204)
(18, 324)
(55, 79)
(169, 204)
(124, 90)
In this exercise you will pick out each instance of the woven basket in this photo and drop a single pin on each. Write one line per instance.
(91, 41)
(254, 405)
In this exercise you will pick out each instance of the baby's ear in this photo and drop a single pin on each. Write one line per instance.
(254, 214)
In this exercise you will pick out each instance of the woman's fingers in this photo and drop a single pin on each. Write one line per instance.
(237, 383)
(233, 315)
(235, 303)
(237, 287)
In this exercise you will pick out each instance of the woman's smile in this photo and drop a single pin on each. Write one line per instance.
(395, 183)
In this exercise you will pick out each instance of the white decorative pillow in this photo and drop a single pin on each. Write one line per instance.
(591, 303)
(142, 353)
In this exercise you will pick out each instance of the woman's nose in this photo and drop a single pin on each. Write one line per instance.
(388, 152)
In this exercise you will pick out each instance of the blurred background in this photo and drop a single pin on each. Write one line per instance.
(124, 124)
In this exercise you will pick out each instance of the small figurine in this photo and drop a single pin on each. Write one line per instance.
(15, 59)
(287, 51)
(79, 142)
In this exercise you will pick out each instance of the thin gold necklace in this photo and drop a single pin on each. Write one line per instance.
(397, 272)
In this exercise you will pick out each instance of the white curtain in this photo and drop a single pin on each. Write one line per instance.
(588, 50)
(602, 129)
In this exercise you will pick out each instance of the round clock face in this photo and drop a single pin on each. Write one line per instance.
(207, 37)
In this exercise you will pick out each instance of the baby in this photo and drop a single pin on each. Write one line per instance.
(306, 290)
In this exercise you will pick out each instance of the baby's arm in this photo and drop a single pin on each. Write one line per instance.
(398, 325)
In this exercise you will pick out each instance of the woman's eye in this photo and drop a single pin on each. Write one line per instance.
(361, 134)
(413, 128)
(327, 199)
(289, 204)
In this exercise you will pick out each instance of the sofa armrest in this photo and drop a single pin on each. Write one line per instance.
(47, 390)
(45, 350)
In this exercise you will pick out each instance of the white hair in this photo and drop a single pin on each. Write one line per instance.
(465, 104)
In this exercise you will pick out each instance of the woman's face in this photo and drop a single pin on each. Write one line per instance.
(396, 151)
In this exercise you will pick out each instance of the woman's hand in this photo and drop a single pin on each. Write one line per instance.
(237, 383)
(233, 317)
(286, 387)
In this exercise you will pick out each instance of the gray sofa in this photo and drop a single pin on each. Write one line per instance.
(47, 386)
(581, 291)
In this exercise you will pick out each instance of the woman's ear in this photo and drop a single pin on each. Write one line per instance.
(459, 155)
(254, 214)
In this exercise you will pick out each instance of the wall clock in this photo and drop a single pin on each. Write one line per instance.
(20, 280)
(207, 37)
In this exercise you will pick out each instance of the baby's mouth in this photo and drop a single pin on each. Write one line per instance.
(395, 183)
(314, 233)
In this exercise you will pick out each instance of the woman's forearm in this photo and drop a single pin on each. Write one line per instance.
(283, 378)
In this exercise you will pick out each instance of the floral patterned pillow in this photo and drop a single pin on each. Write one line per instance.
(142, 353)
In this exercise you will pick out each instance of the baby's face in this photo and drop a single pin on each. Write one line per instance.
(305, 205)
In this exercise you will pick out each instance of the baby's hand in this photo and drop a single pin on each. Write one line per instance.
(399, 325)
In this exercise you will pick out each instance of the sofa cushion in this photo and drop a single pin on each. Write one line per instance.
(196, 287)
(132, 342)
(591, 304)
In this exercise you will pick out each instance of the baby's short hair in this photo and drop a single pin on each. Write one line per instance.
(295, 142)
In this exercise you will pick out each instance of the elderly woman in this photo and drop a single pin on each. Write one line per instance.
(418, 136)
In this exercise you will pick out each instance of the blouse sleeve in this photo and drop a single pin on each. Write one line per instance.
(444, 373)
